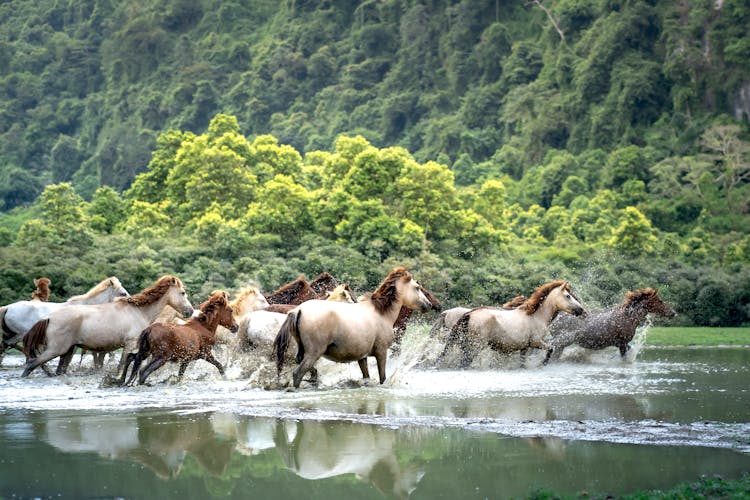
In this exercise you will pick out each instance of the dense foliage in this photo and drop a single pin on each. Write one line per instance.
(490, 146)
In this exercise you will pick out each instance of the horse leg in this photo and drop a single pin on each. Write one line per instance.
(129, 359)
(99, 359)
(62, 365)
(299, 372)
(381, 358)
(548, 355)
(624, 350)
(363, 367)
(210, 358)
(523, 352)
(33, 363)
(183, 367)
(148, 369)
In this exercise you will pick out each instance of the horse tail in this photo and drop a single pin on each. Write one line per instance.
(144, 349)
(290, 328)
(35, 338)
(458, 335)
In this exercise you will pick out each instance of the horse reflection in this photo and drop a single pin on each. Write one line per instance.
(161, 444)
(322, 450)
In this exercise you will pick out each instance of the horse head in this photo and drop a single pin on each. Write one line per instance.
(559, 297)
(342, 293)
(117, 289)
(410, 291)
(174, 291)
(217, 310)
(248, 299)
(651, 301)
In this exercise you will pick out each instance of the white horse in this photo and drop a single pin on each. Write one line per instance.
(18, 318)
(101, 327)
(508, 330)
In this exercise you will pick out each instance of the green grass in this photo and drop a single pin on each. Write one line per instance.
(707, 487)
(684, 336)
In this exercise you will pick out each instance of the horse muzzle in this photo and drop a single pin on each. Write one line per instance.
(580, 311)
(186, 313)
(235, 328)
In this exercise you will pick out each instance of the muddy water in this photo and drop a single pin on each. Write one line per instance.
(590, 422)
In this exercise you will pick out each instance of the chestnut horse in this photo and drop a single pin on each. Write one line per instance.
(182, 342)
(508, 330)
(41, 293)
(345, 332)
(101, 327)
(612, 327)
(285, 298)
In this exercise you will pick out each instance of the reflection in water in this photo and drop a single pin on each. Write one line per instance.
(322, 450)
(159, 444)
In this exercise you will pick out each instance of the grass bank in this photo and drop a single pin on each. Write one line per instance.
(707, 487)
(685, 336)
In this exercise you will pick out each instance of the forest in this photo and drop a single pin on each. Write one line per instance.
(489, 146)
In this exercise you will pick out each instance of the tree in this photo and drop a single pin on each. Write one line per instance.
(106, 209)
(634, 234)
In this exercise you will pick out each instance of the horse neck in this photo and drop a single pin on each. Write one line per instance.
(546, 312)
(636, 313)
(151, 311)
(102, 297)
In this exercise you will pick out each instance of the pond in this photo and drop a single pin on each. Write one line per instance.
(588, 423)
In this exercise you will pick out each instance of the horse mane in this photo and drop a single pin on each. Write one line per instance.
(99, 288)
(211, 307)
(387, 293)
(242, 295)
(436, 305)
(540, 294)
(639, 296)
(289, 292)
(515, 302)
(324, 282)
(42, 289)
(154, 292)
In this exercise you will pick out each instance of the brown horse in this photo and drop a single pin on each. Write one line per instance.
(508, 330)
(184, 343)
(345, 332)
(288, 296)
(41, 293)
(101, 327)
(612, 327)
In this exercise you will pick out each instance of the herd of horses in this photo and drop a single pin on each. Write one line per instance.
(322, 316)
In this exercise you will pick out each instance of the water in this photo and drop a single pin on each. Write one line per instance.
(588, 423)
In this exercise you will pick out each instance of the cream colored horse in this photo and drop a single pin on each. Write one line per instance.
(18, 318)
(345, 332)
(508, 330)
(258, 329)
(101, 327)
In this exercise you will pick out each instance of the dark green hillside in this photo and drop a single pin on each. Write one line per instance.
(87, 86)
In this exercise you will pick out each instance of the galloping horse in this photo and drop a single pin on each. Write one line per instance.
(450, 317)
(612, 327)
(508, 330)
(184, 343)
(345, 332)
(258, 328)
(101, 327)
(18, 318)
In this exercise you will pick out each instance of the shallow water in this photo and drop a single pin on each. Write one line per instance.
(589, 422)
